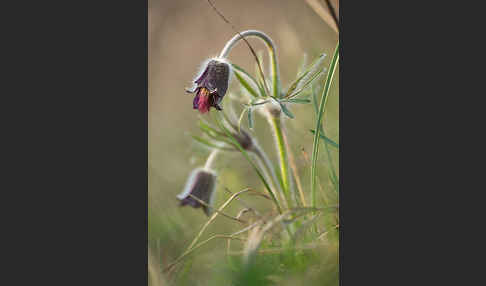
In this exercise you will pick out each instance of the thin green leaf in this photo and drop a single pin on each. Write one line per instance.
(250, 119)
(325, 138)
(334, 180)
(209, 144)
(305, 85)
(311, 72)
(206, 127)
(262, 90)
(286, 110)
(240, 75)
(329, 158)
(294, 85)
(324, 97)
(314, 100)
(302, 65)
(241, 70)
(246, 85)
(210, 131)
(331, 171)
(241, 118)
(259, 103)
(298, 100)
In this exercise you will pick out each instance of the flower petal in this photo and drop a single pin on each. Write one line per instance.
(200, 79)
(195, 102)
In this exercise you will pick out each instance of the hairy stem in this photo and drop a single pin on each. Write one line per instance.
(268, 168)
(210, 160)
(274, 119)
(278, 129)
(295, 172)
(271, 51)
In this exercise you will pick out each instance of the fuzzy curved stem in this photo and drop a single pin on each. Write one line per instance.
(271, 51)
(210, 160)
(275, 121)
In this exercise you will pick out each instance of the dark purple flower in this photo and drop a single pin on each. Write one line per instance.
(201, 184)
(211, 86)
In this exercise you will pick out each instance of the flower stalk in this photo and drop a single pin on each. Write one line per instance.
(271, 51)
(273, 113)
(210, 159)
(276, 123)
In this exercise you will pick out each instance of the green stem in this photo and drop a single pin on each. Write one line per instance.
(245, 154)
(282, 153)
(267, 165)
(273, 118)
(324, 97)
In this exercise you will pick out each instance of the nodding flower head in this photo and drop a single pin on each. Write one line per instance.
(201, 184)
(211, 85)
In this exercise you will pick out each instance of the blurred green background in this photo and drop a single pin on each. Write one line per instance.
(181, 35)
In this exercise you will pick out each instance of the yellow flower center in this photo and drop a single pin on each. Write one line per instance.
(204, 92)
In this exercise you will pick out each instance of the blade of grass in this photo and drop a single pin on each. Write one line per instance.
(325, 138)
(335, 179)
(331, 171)
(324, 97)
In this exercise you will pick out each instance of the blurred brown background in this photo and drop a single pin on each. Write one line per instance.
(184, 33)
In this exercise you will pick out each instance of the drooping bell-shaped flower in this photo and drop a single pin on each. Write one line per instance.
(211, 85)
(201, 184)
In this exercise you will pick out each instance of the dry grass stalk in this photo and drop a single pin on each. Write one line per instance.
(322, 10)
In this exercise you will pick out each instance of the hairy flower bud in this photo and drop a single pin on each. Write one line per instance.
(244, 139)
(201, 184)
(211, 85)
